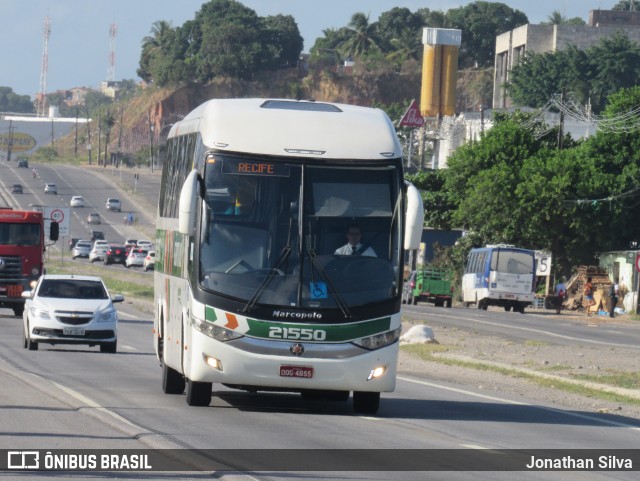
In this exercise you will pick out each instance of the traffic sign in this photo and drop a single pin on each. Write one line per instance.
(412, 117)
(61, 216)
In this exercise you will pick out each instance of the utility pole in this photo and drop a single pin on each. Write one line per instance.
(75, 149)
(10, 143)
(151, 140)
(88, 136)
(561, 126)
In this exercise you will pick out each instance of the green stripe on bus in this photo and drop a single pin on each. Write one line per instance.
(317, 332)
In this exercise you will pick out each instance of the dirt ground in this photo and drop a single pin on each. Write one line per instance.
(539, 359)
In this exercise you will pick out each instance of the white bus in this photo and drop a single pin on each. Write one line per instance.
(500, 275)
(256, 196)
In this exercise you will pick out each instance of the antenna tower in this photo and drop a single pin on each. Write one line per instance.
(42, 95)
(111, 72)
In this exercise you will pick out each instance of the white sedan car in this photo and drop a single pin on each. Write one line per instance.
(98, 252)
(136, 257)
(70, 309)
(77, 201)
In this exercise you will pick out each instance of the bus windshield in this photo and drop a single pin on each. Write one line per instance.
(271, 233)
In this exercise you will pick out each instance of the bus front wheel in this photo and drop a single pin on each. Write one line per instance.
(198, 393)
(366, 402)
(482, 305)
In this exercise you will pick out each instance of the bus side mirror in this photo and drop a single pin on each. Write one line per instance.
(187, 205)
(54, 231)
(414, 218)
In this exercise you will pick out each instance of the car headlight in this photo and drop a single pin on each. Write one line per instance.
(107, 316)
(218, 333)
(36, 313)
(378, 341)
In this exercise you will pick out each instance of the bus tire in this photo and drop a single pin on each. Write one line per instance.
(482, 305)
(449, 302)
(366, 402)
(415, 300)
(198, 393)
(172, 381)
(18, 309)
(519, 308)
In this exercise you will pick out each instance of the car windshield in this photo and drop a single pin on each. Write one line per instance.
(72, 289)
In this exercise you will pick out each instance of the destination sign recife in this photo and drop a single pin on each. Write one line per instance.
(254, 168)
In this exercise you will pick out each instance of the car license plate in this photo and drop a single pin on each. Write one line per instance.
(73, 331)
(14, 291)
(296, 371)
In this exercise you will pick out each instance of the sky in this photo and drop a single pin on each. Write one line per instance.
(79, 44)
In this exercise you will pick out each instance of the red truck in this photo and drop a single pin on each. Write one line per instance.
(22, 243)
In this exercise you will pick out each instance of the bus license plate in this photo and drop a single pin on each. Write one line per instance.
(296, 371)
(73, 331)
(14, 291)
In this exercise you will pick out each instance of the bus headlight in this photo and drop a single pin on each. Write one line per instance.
(379, 340)
(218, 333)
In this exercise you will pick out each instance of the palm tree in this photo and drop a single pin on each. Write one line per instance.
(361, 37)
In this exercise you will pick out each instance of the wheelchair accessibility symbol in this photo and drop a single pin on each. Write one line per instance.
(318, 290)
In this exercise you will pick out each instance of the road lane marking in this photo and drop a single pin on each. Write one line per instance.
(518, 403)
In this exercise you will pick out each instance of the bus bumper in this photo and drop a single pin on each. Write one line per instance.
(219, 362)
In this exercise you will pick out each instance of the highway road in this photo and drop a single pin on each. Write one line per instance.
(73, 397)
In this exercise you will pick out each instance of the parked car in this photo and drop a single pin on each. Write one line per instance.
(16, 189)
(23, 163)
(70, 309)
(98, 252)
(136, 257)
(81, 249)
(116, 254)
(50, 189)
(97, 235)
(149, 261)
(145, 244)
(77, 201)
(113, 204)
(94, 218)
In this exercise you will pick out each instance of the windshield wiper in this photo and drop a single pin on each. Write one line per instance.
(275, 270)
(325, 277)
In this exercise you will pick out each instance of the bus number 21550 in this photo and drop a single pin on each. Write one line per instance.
(297, 333)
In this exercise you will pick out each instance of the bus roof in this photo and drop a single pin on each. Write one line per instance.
(293, 128)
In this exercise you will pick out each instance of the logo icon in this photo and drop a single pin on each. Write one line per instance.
(297, 349)
(23, 460)
(3, 264)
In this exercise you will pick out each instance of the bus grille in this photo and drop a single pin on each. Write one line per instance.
(12, 268)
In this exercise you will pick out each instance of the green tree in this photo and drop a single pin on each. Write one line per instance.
(155, 48)
(627, 5)
(481, 23)
(12, 102)
(281, 41)
(362, 37)
(556, 18)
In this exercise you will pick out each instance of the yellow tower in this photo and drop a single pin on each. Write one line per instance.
(439, 71)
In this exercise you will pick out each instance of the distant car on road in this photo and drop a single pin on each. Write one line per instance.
(50, 189)
(81, 249)
(23, 163)
(98, 252)
(145, 244)
(93, 218)
(149, 261)
(70, 309)
(113, 204)
(77, 201)
(97, 235)
(116, 254)
(136, 257)
(16, 189)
